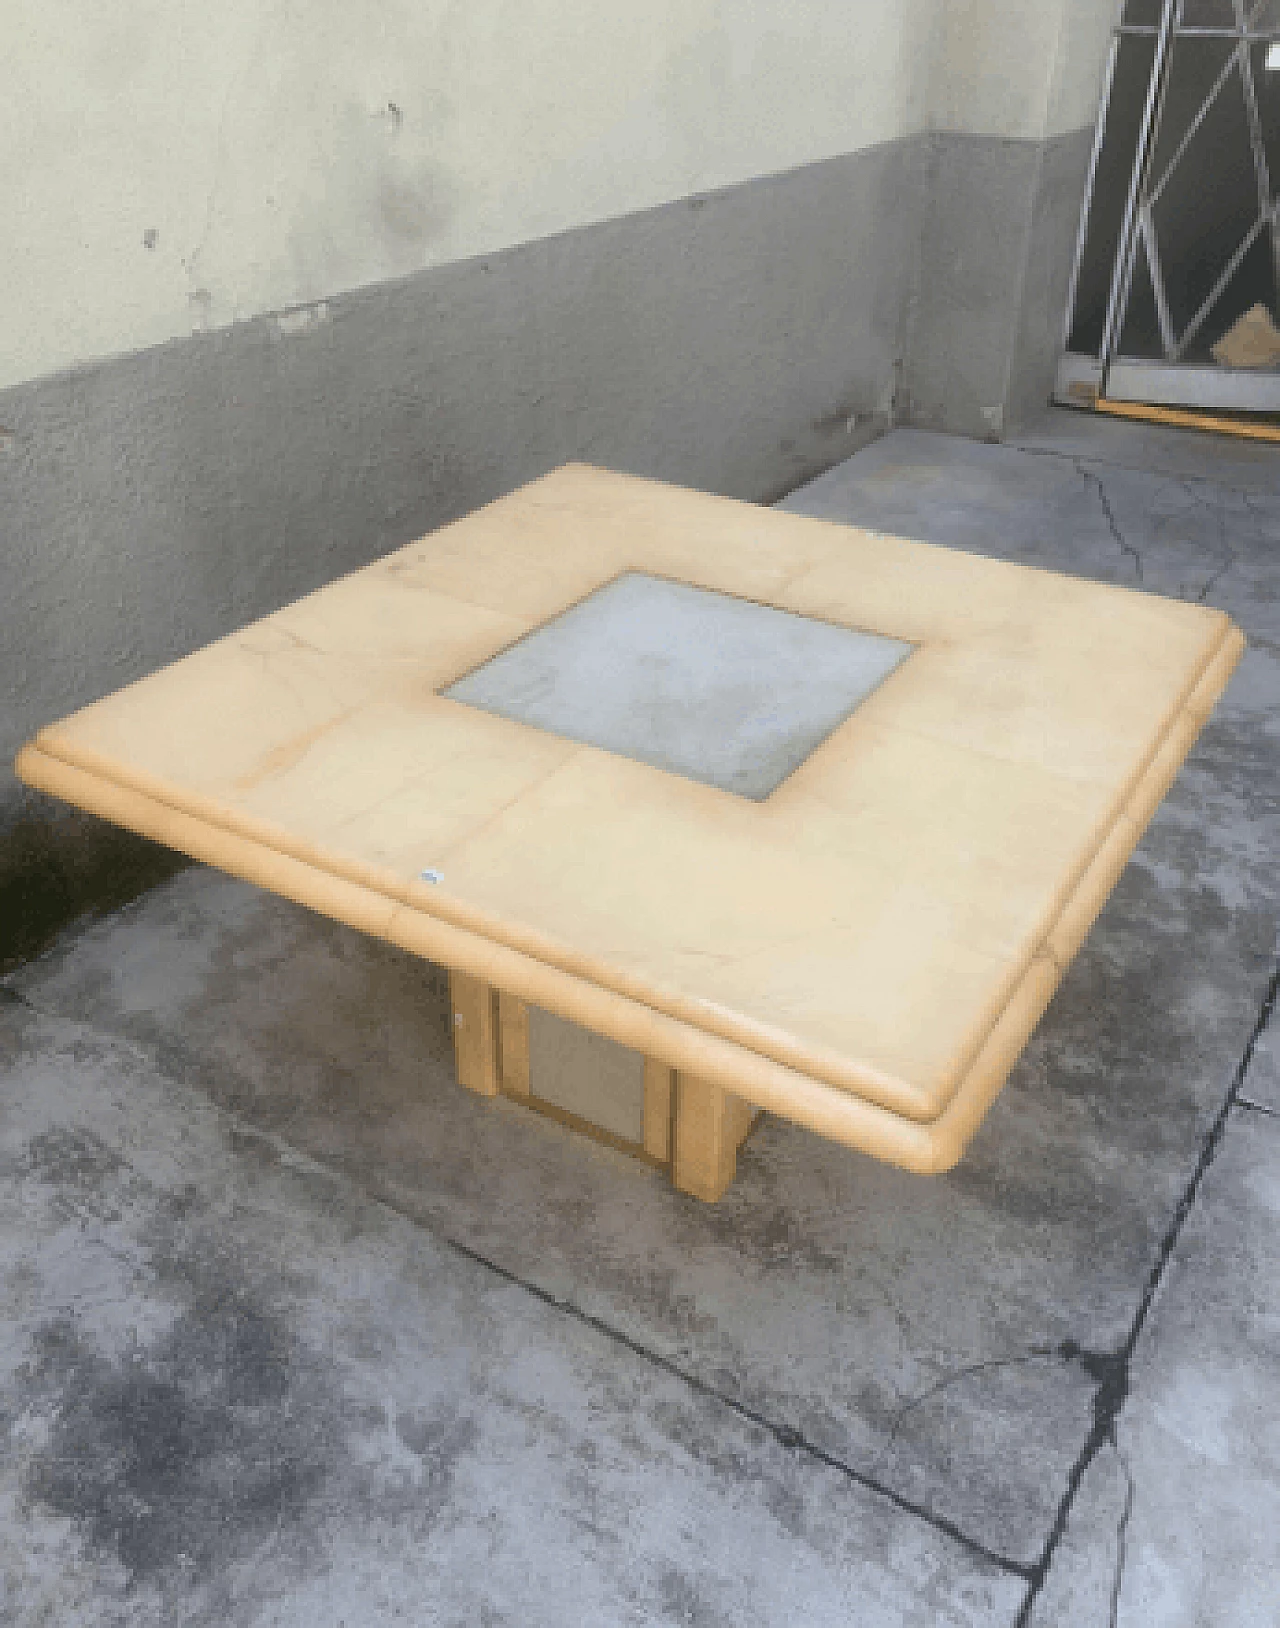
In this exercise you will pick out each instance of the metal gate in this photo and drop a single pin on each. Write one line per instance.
(1179, 233)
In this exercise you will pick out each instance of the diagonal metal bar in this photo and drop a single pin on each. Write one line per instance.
(1273, 186)
(1167, 336)
(1215, 294)
(1206, 108)
(1082, 231)
(1254, 117)
(1127, 247)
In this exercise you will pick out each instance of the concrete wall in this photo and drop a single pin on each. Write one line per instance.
(1014, 100)
(284, 285)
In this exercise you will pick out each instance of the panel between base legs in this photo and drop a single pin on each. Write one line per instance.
(691, 1127)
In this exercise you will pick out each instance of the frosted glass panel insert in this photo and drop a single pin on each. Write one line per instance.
(721, 690)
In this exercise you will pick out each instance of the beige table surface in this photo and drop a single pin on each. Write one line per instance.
(865, 951)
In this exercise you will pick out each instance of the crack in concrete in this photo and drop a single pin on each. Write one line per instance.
(1095, 482)
(1222, 480)
(1213, 581)
(1257, 1107)
(1187, 483)
(1112, 1370)
(1219, 516)
(785, 1435)
(1122, 1533)
(1261, 525)
(1263, 522)
(1108, 1369)
(1037, 1353)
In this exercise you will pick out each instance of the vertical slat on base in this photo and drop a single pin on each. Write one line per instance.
(659, 1105)
(513, 1045)
(474, 1007)
(710, 1124)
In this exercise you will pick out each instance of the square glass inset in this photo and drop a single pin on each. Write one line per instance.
(721, 690)
(586, 1074)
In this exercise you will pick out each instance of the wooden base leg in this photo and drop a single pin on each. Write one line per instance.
(710, 1124)
(474, 1006)
(659, 1106)
(513, 1046)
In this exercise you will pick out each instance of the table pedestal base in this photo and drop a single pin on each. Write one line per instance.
(691, 1128)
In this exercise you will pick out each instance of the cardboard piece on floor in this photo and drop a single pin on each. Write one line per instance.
(1252, 341)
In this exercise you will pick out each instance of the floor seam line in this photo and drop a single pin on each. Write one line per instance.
(1108, 1404)
(783, 1434)
(1113, 1389)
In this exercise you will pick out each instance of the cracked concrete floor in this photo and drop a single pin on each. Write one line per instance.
(296, 1331)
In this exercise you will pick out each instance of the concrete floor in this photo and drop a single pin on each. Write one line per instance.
(296, 1332)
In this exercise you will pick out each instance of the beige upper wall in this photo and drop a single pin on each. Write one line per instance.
(167, 165)
(1020, 68)
(284, 150)
(993, 65)
(1083, 45)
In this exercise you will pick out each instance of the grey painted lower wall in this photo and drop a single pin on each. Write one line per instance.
(998, 227)
(738, 342)
(1051, 245)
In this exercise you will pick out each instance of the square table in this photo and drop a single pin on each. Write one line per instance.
(807, 818)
